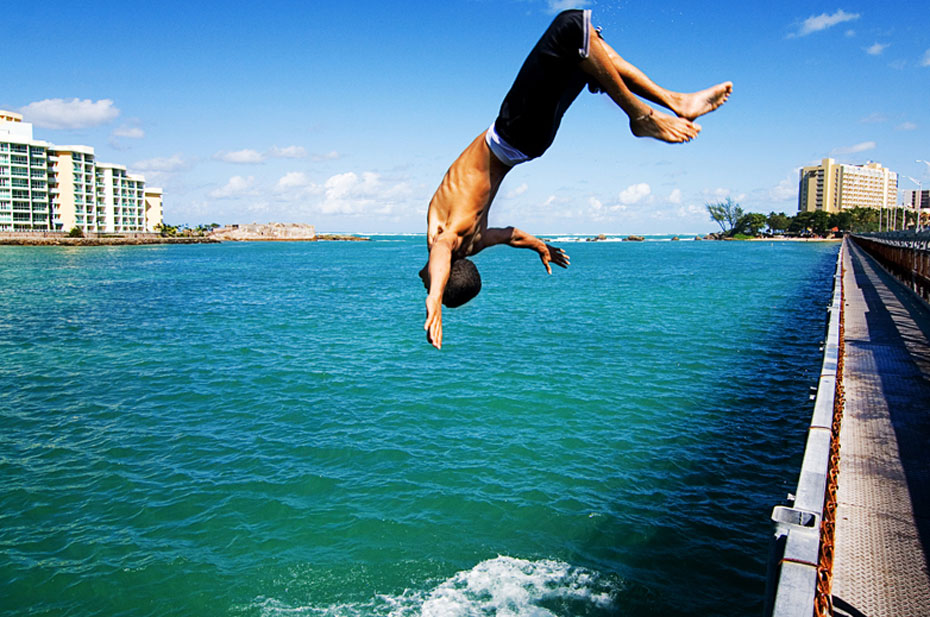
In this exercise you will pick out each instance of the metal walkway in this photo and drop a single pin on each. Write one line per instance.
(883, 512)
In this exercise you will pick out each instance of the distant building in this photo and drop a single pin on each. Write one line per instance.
(24, 195)
(917, 199)
(833, 187)
(153, 212)
(57, 188)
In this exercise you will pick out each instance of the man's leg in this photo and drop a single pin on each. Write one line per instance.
(685, 105)
(622, 81)
(644, 121)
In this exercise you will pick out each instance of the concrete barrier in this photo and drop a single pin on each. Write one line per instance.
(791, 581)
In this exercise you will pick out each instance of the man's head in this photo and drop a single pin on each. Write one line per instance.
(464, 282)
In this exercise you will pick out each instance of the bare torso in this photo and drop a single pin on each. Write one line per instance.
(458, 211)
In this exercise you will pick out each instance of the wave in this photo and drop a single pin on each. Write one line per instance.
(495, 587)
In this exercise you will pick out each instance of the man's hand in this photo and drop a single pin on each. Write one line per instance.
(551, 254)
(433, 325)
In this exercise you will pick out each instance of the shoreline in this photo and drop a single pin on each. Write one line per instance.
(158, 240)
(115, 241)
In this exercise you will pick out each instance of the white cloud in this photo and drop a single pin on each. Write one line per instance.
(874, 118)
(925, 61)
(635, 193)
(816, 23)
(296, 186)
(350, 193)
(240, 157)
(129, 132)
(721, 193)
(329, 156)
(785, 190)
(290, 152)
(876, 49)
(691, 210)
(69, 114)
(169, 164)
(855, 149)
(292, 180)
(906, 126)
(517, 191)
(236, 186)
(675, 197)
(249, 156)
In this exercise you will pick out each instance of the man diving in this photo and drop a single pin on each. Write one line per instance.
(569, 56)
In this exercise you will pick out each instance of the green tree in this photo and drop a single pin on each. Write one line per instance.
(801, 223)
(865, 219)
(166, 230)
(76, 232)
(750, 224)
(725, 213)
(778, 222)
(841, 220)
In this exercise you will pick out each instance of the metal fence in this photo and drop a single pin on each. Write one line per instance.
(905, 254)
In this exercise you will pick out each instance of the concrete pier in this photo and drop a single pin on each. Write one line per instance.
(883, 497)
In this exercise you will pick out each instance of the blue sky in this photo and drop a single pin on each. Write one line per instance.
(346, 115)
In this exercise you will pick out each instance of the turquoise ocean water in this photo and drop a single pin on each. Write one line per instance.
(261, 429)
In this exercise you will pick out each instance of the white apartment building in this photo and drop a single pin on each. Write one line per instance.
(58, 188)
(121, 195)
(833, 187)
(24, 195)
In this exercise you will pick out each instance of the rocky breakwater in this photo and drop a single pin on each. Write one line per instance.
(279, 232)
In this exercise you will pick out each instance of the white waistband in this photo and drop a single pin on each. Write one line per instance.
(506, 154)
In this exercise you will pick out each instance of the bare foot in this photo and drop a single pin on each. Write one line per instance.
(697, 104)
(664, 127)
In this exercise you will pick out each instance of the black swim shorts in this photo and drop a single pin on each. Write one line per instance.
(548, 82)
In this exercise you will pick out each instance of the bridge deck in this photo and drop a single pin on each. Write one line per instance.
(883, 512)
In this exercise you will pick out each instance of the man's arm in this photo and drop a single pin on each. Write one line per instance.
(440, 262)
(518, 238)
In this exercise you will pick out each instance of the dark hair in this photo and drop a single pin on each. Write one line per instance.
(464, 283)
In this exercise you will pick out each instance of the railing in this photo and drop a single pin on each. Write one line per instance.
(800, 570)
(905, 254)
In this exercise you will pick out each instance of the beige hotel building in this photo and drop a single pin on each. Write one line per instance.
(833, 187)
(44, 187)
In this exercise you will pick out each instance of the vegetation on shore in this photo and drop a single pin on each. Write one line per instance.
(183, 231)
(737, 224)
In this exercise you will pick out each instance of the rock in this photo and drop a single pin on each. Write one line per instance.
(675, 238)
(634, 239)
(269, 231)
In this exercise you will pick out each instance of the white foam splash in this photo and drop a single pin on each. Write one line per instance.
(509, 587)
(500, 587)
